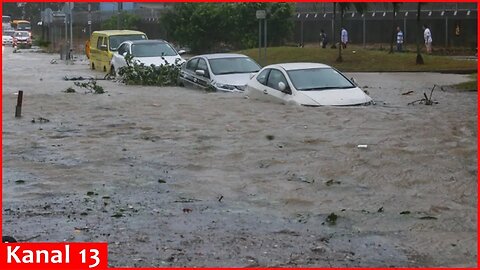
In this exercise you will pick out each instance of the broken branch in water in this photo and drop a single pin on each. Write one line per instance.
(427, 100)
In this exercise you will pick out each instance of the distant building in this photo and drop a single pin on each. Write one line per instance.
(113, 6)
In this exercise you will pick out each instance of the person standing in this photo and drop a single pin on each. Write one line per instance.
(399, 39)
(344, 38)
(323, 39)
(427, 35)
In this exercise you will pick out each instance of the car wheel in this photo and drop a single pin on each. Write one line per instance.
(92, 66)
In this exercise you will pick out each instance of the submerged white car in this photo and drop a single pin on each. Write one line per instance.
(148, 52)
(309, 84)
(227, 72)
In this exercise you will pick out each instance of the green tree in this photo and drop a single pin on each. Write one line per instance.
(281, 23)
(128, 21)
(243, 24)
(208, 26)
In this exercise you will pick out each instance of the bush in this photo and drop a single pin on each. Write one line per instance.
(91, 86)
(136, 73)
(41, 43)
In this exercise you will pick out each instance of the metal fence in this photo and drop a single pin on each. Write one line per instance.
(449, 28)
(367, 28)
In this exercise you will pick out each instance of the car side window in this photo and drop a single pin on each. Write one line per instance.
(99, 42)
(192, 64)
(274, 78)
(262, 77)
(202, 65)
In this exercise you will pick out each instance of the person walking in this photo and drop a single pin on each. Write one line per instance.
(323, 39)
(427, 36)
(344, 38)
(399, 39)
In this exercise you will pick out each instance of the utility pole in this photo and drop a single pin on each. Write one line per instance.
(89, 20)
(70, 16)
(119, 10)
(265, 40)
(43, 20)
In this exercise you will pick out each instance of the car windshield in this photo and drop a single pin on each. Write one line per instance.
(24, 26)
(318, 79)
(115, 41)
(233, 65)
(152, 50)
(21, 34)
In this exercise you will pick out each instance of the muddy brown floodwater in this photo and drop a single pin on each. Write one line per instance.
(178, 177)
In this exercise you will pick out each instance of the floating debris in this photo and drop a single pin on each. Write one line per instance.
(427, 100)
(331, 219)
(331, 182)
(40, 120)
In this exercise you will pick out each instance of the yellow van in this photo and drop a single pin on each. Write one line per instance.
(104, 43)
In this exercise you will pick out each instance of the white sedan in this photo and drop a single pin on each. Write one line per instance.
(309, 84)
(7, 38)
(147, 52)
(226, 72)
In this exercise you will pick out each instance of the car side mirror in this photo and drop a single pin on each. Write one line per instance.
(354, 81)
(181, 52)
(125, 54)
(284, 88)
(200, 72)
(252, 75)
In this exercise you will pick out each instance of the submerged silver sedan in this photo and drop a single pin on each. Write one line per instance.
(226, 72)
(309, 84)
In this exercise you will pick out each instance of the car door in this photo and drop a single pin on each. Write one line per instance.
(118, 59)
(188, 70)
(202, 80)
(272, 89)
(103, 59)
(257, 87)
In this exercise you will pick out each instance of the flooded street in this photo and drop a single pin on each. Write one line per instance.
(179, 177)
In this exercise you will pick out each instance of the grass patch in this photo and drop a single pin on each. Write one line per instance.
(358, 59)
(468, 86)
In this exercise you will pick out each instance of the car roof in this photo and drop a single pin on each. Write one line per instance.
(118, 32)
(298, 65)
(145, 41)
(221, 55)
